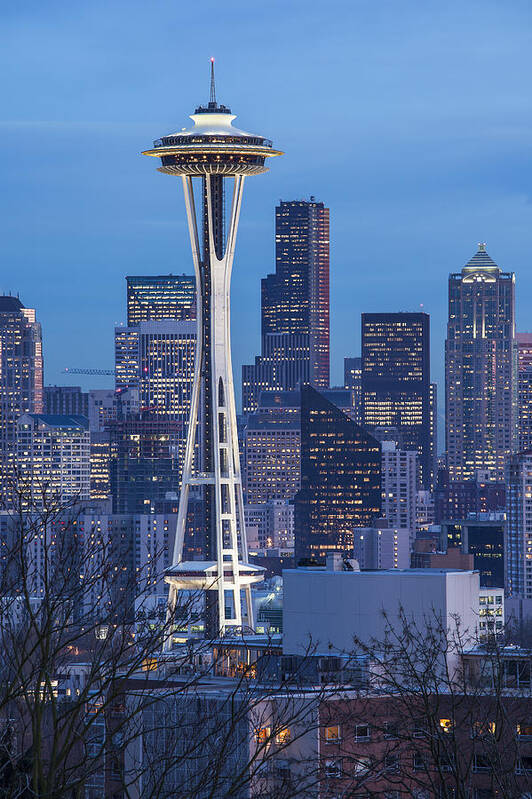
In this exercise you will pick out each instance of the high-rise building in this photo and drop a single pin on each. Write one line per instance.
(66, 401)
(396, 384)
(518, 564)
(144, 461)
(100, 465)
(457, 499)
(480, 370)
(53, 459)
(273, 522)
(399, 482)
(152, 297)
(295, 305)
(21, 376)
(107, 405)
(215, 153)
(272, 444)
(524, 390)
(159, 359)
(340, 479)
(353, 382)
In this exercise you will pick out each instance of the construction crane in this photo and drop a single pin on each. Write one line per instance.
(72, 371)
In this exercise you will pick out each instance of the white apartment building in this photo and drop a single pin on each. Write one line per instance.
(399, 487)
(53, 458)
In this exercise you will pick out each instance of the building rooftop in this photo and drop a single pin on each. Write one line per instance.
(8, 303)
(481, 260)
(382, 573)
(59, 420)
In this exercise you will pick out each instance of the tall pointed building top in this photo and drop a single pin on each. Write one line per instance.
(481, 260)
(212, 106)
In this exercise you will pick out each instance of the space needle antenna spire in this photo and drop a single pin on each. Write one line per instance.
(212, 98)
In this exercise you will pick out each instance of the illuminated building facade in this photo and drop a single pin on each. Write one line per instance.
(100, 466)
(518, 560)
(353, 382)
(21, 375)
(295, 306)
(272, 444)
(524, 390)
(53, 458)
(340, 479)
(152, 297)
(213, 153)
(480, 370)
(158, 357)
(396, 382)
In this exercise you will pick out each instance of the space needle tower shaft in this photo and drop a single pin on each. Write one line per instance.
(213, 153)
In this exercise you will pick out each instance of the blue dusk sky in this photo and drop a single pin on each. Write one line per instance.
(411, 120)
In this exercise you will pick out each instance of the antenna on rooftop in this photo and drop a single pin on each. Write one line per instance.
(213, 86)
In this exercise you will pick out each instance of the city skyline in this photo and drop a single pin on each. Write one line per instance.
(435, 158)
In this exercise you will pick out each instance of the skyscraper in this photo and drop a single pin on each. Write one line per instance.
(295, 305)
(396, 388)
(21, 375)
(524, 390)
(518, 539)
(152, 297)
(156, 359)
(53, 459)
(214, 151)
(353, 382)
(480, 370)
(340, 479)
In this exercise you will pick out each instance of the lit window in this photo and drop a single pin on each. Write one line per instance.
(332, 734)
(283, 736)
(446, 725)
(263, 735)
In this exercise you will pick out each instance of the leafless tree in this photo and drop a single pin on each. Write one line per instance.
(438, 717)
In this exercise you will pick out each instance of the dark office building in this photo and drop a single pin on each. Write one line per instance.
(295, 305)
(340, 479)
(459, 498)
(144, 464)
(154, 297)
(66, 401)
(482, 538)
(396, 389)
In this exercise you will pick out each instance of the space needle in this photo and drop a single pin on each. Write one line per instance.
(217, 153)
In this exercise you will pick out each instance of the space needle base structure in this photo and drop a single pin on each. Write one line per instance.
(210, 154)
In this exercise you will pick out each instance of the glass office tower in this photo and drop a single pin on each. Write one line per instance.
(480, 370)
(396, 390)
